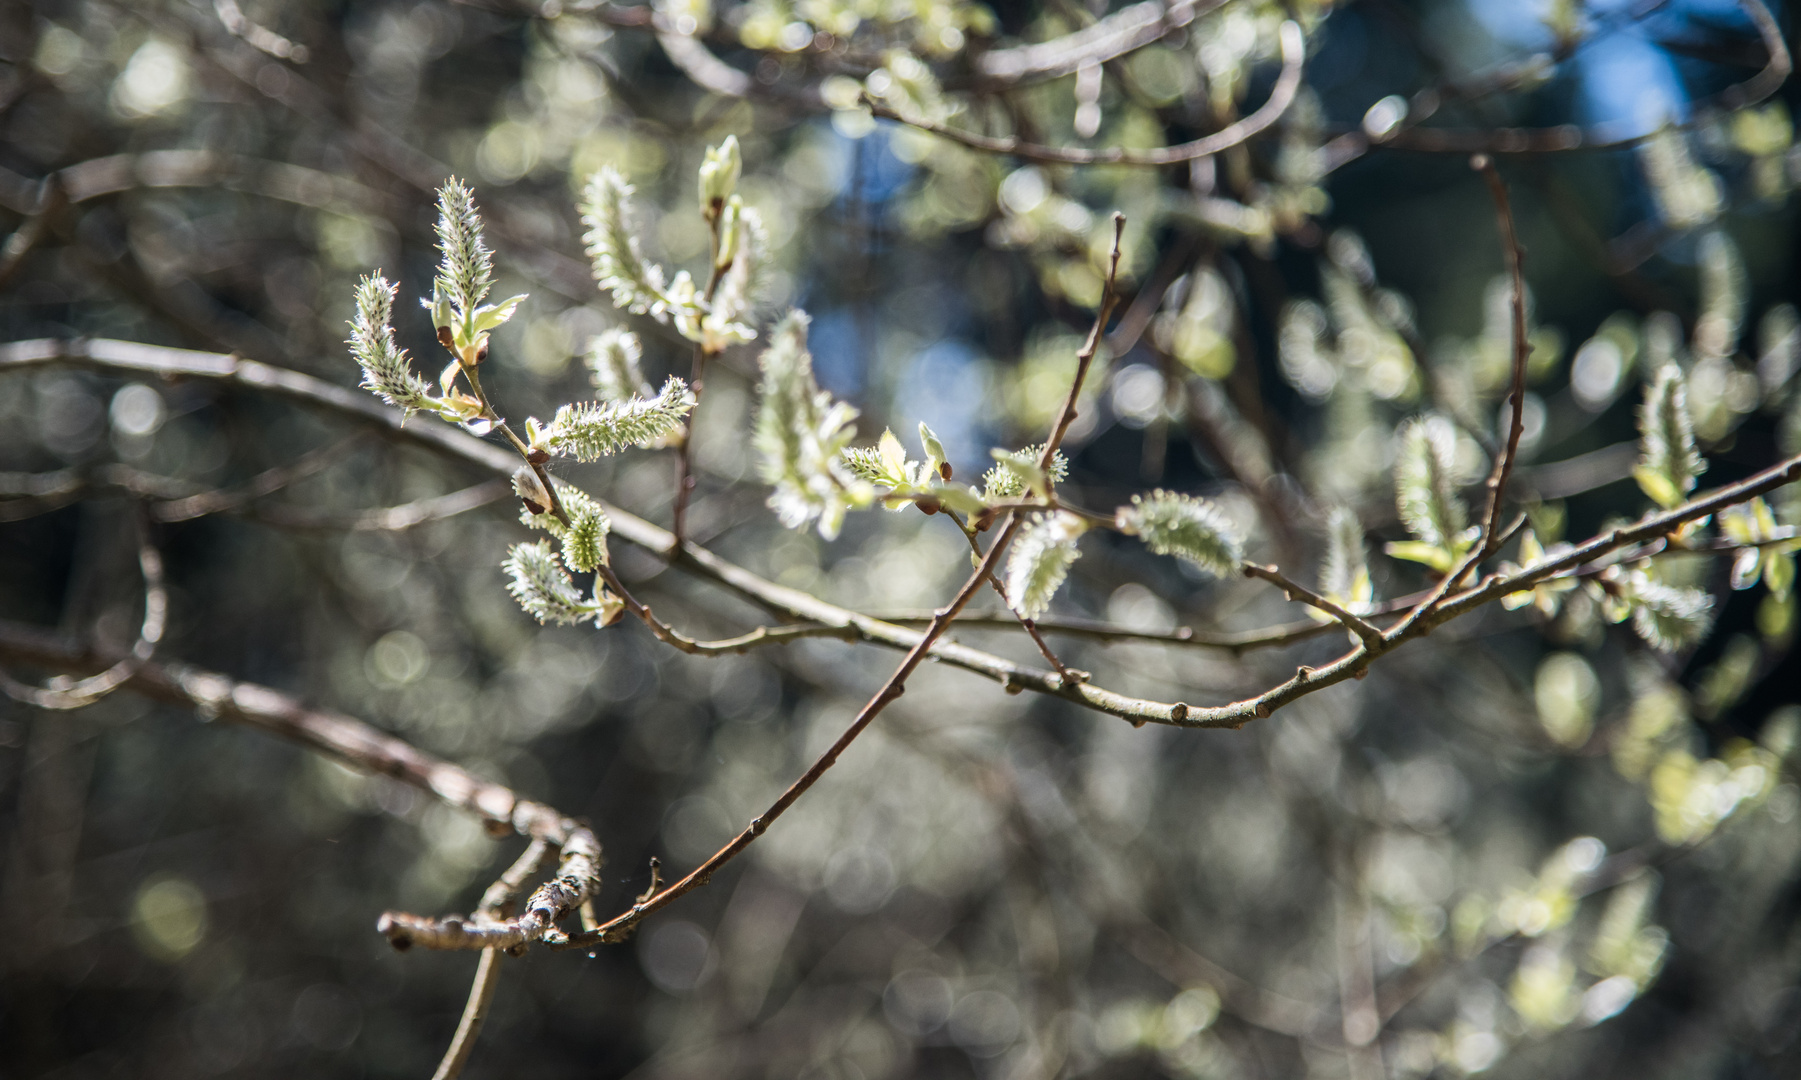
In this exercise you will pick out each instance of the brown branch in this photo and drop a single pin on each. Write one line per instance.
(342, 738)
(621, 926)
(119, 356)
(61, 694)
(1370, 636)
(1288, 84)
(1522, 350)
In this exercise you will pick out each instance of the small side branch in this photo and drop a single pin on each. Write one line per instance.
(62, 694)
(1522, 351)
(497, 902)
(578, 876)
(1370, 635)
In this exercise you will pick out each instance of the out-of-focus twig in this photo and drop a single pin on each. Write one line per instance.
(1288, 84)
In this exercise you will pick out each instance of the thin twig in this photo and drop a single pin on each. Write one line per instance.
(62, 695)
(497, 902)
(1522, 350)
(1370, 636)
(1288, 84)
(621, 926)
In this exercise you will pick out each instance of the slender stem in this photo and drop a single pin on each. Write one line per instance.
(622, 925)
(496, 902)
(684, 450)
(1370, 636)
(475, 1012)
(1066, 673)
(1522, 350)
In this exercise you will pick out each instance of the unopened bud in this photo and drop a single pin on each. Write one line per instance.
(719, 176)
(531, 490)
(442, 314)
(728, 233)
(929, 441)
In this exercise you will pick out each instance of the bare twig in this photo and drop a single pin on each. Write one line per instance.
(1522, 349)
(497, 902)
(792, 603)
(623, 924)
(62, 694)
(1370, 636)
(1281, 96)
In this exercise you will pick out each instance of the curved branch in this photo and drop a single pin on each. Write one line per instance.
(91, 689)
(1288, 84)
(1122, 32)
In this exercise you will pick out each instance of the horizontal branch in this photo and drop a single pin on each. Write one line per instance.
(123, 357)
(118, 356)
(577, 878)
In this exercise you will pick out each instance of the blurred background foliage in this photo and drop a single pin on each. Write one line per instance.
(1528, 846)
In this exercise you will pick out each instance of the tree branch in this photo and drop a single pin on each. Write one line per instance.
(342, 738)
(1280, 98)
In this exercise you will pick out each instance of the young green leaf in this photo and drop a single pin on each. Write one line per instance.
(1187, 527)
(387, 369)
(719, 175)
(1425, 491)
(1669, 461)
(636, 285)
(594, 429)
(743, 284)
(801, 434)
(1040, 560)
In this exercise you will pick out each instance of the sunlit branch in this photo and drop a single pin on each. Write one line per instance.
(622, 925)
(1288, 84)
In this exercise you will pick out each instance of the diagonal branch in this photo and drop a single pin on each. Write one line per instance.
(621, 926)
(1369, 635)
(342, 738)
